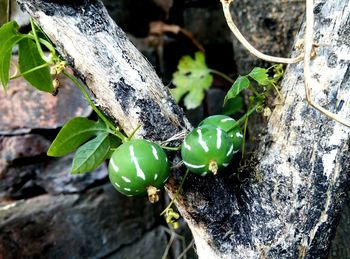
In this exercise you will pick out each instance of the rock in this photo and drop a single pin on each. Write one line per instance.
(52, 176)
(26, 171)
(207, 24)
(20, 158)
(215, 101)
(56, 178)
(151, 246)
(18, 147)
(24, 108)
(19, 182)
(89, 225)
(270, 26)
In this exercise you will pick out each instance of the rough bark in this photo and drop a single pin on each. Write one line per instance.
(123, 82)
(270, 26)
(287, 199)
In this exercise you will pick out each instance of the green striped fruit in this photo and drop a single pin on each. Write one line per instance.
(226, 123)
(139, 167)
(207, 149)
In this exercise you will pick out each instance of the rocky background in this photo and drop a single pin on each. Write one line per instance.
(47, 213)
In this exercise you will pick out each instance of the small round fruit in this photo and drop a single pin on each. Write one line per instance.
(226, 123)
(207, 149)
(139, 167)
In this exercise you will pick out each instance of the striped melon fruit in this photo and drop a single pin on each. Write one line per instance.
(139, 167)
(226, 123)
(207, 149)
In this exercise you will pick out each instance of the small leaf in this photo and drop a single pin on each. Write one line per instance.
(192, 78)
(29, 58)
(9, 36)
(90, 155)
(260, 75)
(74, 133)
(241, 83)
(233, 105)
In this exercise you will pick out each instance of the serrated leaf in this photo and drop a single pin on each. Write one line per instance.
(9, 36)
(90, 155)
(241, 83)
(260, 75)
(29, 58)
(192, 78)
(74, 133)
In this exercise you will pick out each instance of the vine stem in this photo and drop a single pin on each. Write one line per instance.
(247, 45)
(37, 42)
(133, 132)
(244, 135)
(224, 76)
(171, 148)
(176, 194)
(44, 42)
(29, 71)
(245, 116)
(98, 112)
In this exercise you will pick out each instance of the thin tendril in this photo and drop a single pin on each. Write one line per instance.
(176, 194)
(98, 112)
(29, 71)
(243, 118)
(247, 45)
(224, 76)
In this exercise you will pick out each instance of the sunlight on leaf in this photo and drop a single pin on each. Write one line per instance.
(192, 79)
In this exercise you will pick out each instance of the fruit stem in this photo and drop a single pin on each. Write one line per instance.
(152, 192)
(176, 194)
(213, 167)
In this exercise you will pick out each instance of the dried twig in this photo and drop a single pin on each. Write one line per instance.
(159, 28)
(247, 45)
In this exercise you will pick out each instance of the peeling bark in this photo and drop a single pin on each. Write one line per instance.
(286, 201)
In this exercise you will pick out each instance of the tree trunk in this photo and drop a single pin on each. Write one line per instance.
(285, 202)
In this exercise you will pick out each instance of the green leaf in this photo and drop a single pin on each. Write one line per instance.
(233, 105)
(9, 36)
(29, 58)
(241, 83)
(192, 78)
(193, 99)
(260, 75)
(74, 133)
(114, 143)
(90, 155)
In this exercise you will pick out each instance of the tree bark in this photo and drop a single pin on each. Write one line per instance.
(285, 202)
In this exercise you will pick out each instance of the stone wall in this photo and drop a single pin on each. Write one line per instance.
(47, 213)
